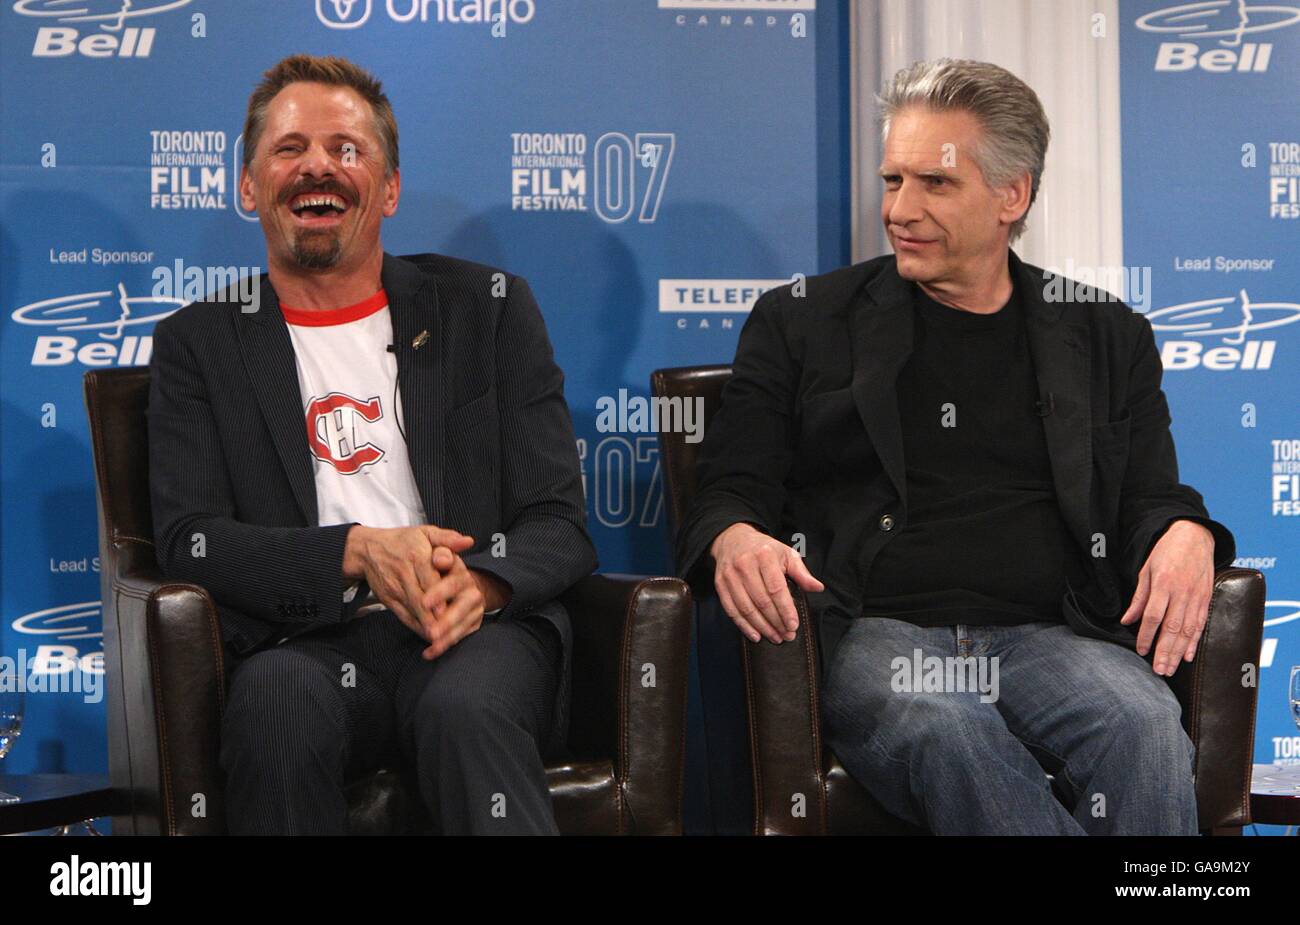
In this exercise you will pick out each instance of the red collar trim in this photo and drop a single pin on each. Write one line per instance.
(320, 317)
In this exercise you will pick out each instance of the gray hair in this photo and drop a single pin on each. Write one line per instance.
(1015, 130)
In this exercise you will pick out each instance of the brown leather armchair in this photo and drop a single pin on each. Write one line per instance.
(166, 676)
(787, 751)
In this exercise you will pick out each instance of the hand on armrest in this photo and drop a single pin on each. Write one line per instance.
(750, 577)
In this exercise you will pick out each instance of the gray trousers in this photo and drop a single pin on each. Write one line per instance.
(307, 716)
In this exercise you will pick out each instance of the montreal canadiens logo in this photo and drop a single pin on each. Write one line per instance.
(332, 424)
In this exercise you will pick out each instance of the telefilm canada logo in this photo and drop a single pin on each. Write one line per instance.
(1217, 36)
(698, 303)
(499, 14)
(617, 176)
(95, 28)
(745, 14)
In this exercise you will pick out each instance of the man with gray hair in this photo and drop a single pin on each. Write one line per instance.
(972, 469)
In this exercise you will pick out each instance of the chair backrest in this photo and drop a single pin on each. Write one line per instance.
(116, 400)
(679, 457)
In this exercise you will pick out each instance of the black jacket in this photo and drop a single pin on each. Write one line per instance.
(807, 439)
(490, 440)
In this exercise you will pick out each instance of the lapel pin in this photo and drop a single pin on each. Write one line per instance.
(420, 340)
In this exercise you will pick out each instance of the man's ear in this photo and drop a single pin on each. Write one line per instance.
(392, 192)
(1015, 199)
(246, 198)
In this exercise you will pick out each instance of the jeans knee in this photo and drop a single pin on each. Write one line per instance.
(1152, 731)
(903, 726)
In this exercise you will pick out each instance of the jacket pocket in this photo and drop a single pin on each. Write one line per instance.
(472, 413)
(1112, 434)
(1110, 446)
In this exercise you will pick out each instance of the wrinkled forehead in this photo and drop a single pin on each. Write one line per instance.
(921, 138)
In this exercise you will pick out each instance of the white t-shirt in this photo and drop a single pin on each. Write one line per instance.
(351, 413)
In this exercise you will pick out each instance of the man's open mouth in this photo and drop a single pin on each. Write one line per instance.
(317, 208)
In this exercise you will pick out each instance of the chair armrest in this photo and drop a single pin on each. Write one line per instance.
(631, 646)
(784, 730)
(1218, 697)
(166, 691)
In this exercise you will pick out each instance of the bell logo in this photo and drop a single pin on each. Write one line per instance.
(1228, 21)
(1184, 56)
(52, 42)
(332, 431)
(1189, 354)
(99, 312)
(1228, 318)
(117, 37)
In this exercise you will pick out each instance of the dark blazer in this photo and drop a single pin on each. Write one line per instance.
(489, 436)
(807, 438)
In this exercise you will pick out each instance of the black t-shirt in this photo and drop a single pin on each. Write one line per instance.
(984, 541)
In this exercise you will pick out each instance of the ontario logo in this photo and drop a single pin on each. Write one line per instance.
(1225, 23)
(112, 27)
(1230, 319)
(353, 14)
(343, 14)
(107, 314)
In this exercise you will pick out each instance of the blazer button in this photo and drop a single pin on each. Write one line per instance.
(887, 522)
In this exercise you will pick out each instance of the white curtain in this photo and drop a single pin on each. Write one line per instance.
(1049, 44)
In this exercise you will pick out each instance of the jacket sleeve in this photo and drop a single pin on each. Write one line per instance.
(749, 445)
(283, 575)
(1152, 497)
(543, 513)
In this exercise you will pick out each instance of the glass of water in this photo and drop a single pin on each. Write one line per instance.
(11, 714)
(1293, 694)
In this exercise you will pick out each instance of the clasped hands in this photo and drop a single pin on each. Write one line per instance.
(418, 574)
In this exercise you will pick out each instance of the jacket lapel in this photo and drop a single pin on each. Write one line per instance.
(269, 362)
(1059, 345)
(881, 342)
(272, 370)
(413, 305)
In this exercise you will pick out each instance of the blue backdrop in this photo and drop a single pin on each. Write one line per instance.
(686, 146)
(1211, 149)
(697, 140)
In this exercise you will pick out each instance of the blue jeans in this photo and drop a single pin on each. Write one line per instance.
(1013, 702)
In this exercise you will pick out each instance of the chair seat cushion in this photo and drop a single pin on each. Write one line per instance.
(583, 794)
